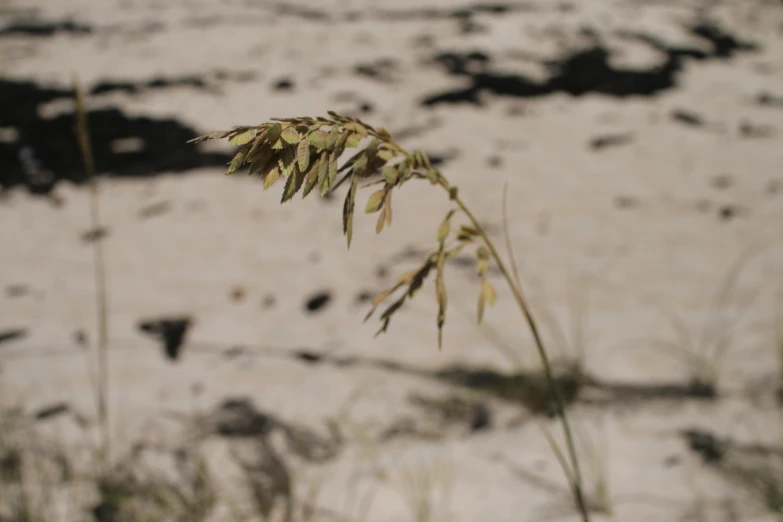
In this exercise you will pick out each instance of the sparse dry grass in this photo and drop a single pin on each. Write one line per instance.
(703, 351)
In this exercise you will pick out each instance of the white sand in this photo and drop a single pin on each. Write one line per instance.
(568, 233)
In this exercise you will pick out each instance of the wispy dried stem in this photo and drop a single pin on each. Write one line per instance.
(305, 153)
(82, 133)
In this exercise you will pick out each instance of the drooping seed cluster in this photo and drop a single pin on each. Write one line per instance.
(305, 152)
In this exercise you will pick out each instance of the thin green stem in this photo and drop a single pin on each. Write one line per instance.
(576, 479)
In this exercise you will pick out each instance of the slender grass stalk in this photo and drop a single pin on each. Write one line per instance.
(778, 338)
(304, 154)
(101, 294)
(575, 477)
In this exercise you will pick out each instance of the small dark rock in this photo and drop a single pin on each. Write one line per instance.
(687, 118)
(318, 301)
(50, 411)
(364, 296)
(610, 140)
(706, 445)
(495, 162)
(45, 29)
(308, 356)
(95, 234)
(769, 99)
(80, 338)
(728, 212)
(481, 418)
(283, 84)
(170, 330)
(238, 294)
(12, 334)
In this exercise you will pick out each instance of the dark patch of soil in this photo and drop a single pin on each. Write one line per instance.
(42, 29)
(155, 83)
(46, 149)
(530, 389)
(705, 445)
(629, 393)
(585, 71)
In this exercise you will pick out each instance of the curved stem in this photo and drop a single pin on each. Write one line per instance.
(576, 479)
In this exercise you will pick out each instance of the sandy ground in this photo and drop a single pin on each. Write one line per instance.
(616, 235)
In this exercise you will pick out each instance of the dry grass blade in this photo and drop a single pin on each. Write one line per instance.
(101, 297)
(440, 292)
(777, 341)
(704, 352)
(350, 203)
(425, 489)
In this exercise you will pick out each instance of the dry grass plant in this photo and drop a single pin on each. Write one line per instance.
(304, 152)
(425, 488)
(703, 351)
